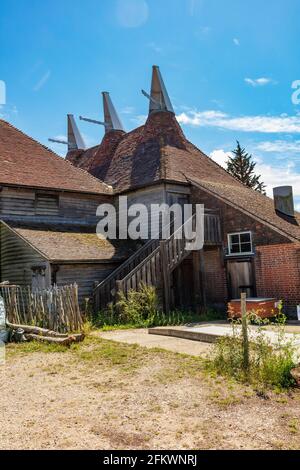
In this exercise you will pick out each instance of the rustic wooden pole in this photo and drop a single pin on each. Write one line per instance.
(245, 332)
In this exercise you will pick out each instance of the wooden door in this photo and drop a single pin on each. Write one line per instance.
(240, 278)
(38, 280)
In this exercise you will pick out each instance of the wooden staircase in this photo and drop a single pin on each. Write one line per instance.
(153, 264)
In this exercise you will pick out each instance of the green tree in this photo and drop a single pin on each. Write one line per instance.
(242, 166)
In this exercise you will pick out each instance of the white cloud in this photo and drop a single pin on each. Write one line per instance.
(272, 176)
(43, 80)
(259, 81)
(236, 41)
(279, 146)
(260, 123)
(220, 157)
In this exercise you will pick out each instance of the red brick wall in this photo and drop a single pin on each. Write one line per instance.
(277, 260)
(215, 277)
(277, 270)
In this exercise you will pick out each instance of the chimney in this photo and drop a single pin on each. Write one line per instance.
(283, 200)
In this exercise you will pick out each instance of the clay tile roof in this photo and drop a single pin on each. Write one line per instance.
(69, 244)
(159, 151)
(253, 203)
(25, 162)
(97, 159)
(153, 152)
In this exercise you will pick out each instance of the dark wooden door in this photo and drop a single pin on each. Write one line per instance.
(182, 287)
(240, 278)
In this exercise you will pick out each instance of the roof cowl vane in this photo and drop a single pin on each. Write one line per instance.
(111, 121)
(75, 140)
(111, 118)
(159, 98)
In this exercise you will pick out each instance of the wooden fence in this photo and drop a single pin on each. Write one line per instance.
(56, 308)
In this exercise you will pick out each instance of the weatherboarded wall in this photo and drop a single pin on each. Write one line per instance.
(38, 203)
(85, 275)
(157, 195)
(17, 259)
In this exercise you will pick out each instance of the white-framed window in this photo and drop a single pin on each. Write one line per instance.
(240, 243)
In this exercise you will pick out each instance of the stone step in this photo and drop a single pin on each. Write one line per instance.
(185, 334)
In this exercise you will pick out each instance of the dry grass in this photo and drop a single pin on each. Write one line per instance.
(102, 395)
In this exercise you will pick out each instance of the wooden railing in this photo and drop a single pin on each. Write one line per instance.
(105, 291)
(152, 263)
(156, 269)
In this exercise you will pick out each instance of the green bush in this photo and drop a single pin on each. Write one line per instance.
(139, 306)
(269, 364)
(140, 309)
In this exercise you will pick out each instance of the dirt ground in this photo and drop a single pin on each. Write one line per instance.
(107, 395)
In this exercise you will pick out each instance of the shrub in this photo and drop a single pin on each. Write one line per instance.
(139, 306)
(269, 364)
(140, 309)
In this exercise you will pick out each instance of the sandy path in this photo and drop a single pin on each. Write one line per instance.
(111, 396)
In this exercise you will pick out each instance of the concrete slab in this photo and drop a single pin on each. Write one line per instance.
(142, 338)
(210, 333)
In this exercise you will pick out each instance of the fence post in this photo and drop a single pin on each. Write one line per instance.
(245, 332)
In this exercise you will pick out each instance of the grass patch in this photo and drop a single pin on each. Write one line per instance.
(293, 426)
(15, 349)
(257, 361)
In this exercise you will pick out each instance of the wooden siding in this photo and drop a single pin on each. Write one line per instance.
(85, 275)
(147, 196)
(28, 202)
(46, 204)
(17, 259)
(81, 206)
(17, 202)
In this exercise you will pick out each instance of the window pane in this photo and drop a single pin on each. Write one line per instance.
(245, 237)
(245, 247)
(235, 248)
(235, 238)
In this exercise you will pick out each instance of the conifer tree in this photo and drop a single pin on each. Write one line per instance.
(242, 166)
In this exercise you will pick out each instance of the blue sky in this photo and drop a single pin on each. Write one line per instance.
(228, 67)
